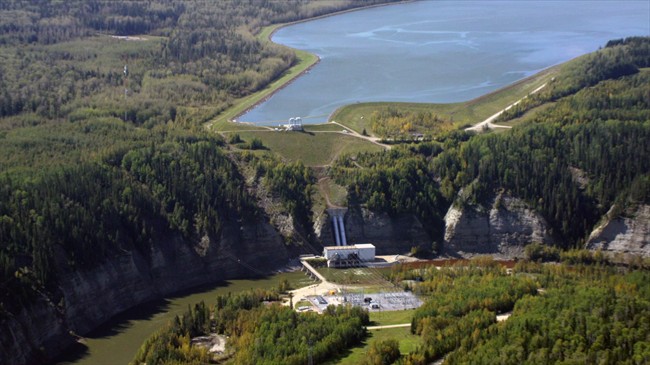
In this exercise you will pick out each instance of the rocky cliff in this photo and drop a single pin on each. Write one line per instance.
(627, 233)
(389, 234)
(42, 330)
(501, 228)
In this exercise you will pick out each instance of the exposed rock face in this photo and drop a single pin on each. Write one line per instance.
(41, 331)
(33, 332)
(389, 234)
(623, 234)
(503, 229)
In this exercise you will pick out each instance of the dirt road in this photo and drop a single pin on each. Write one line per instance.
(478, 127)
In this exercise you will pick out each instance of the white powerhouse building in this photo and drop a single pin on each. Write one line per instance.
(342, 256)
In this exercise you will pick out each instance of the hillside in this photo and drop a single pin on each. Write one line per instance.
(578, 149)
(112, 193)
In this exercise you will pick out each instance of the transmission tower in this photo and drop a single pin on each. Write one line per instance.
(126, 88)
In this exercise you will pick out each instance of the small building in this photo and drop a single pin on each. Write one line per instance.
(295, 124)
(346, 256)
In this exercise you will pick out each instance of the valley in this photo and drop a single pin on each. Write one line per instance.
(125, 183)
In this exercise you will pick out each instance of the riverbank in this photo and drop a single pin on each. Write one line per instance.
(117, 341)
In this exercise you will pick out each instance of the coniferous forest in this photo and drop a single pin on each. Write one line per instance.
(90, 171)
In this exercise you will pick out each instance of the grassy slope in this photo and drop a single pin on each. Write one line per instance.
(313, 149)
(357, 116)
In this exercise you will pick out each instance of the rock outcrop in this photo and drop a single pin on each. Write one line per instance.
(41, 330)
(503, 228)
(628, 233)
(390, 235)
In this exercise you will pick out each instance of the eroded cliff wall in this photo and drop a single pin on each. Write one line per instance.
(502, 227)
(390, 235)
(42, 330)
(627, 233)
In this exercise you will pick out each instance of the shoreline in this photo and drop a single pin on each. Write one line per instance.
(310, 66)
(269, 96)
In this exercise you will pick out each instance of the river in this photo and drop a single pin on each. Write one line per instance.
(440, 51)
(118, 341)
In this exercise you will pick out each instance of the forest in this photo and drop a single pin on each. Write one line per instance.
(104, 151)
(259, 330)
(102, 106)
(568, 313)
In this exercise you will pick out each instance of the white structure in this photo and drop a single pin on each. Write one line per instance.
(295, 124)
(343, 256)
(366, 251)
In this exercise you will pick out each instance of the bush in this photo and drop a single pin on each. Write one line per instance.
(256, 144)
(541, 252)
(235, 138)
(382, 352)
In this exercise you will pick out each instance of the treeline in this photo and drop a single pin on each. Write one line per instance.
(172, 344)
(572, 162)
(258, 333)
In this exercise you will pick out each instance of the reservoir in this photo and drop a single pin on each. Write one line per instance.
(440, 51)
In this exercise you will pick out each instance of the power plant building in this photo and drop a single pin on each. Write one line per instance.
(345, 256)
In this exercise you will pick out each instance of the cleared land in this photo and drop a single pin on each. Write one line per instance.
(391, 318)
(407, 343)
(313, 149)
(355, 276)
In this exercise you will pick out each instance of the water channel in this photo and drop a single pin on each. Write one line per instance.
(118, 341)
(440, 51)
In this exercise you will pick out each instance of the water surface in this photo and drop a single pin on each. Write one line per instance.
(118, 341)
(440, 51)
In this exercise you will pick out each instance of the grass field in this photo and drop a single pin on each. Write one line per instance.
(407, 343)
(379, 318)
(355, 276)
(326, 127)
(357, 116)
(313, 149)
